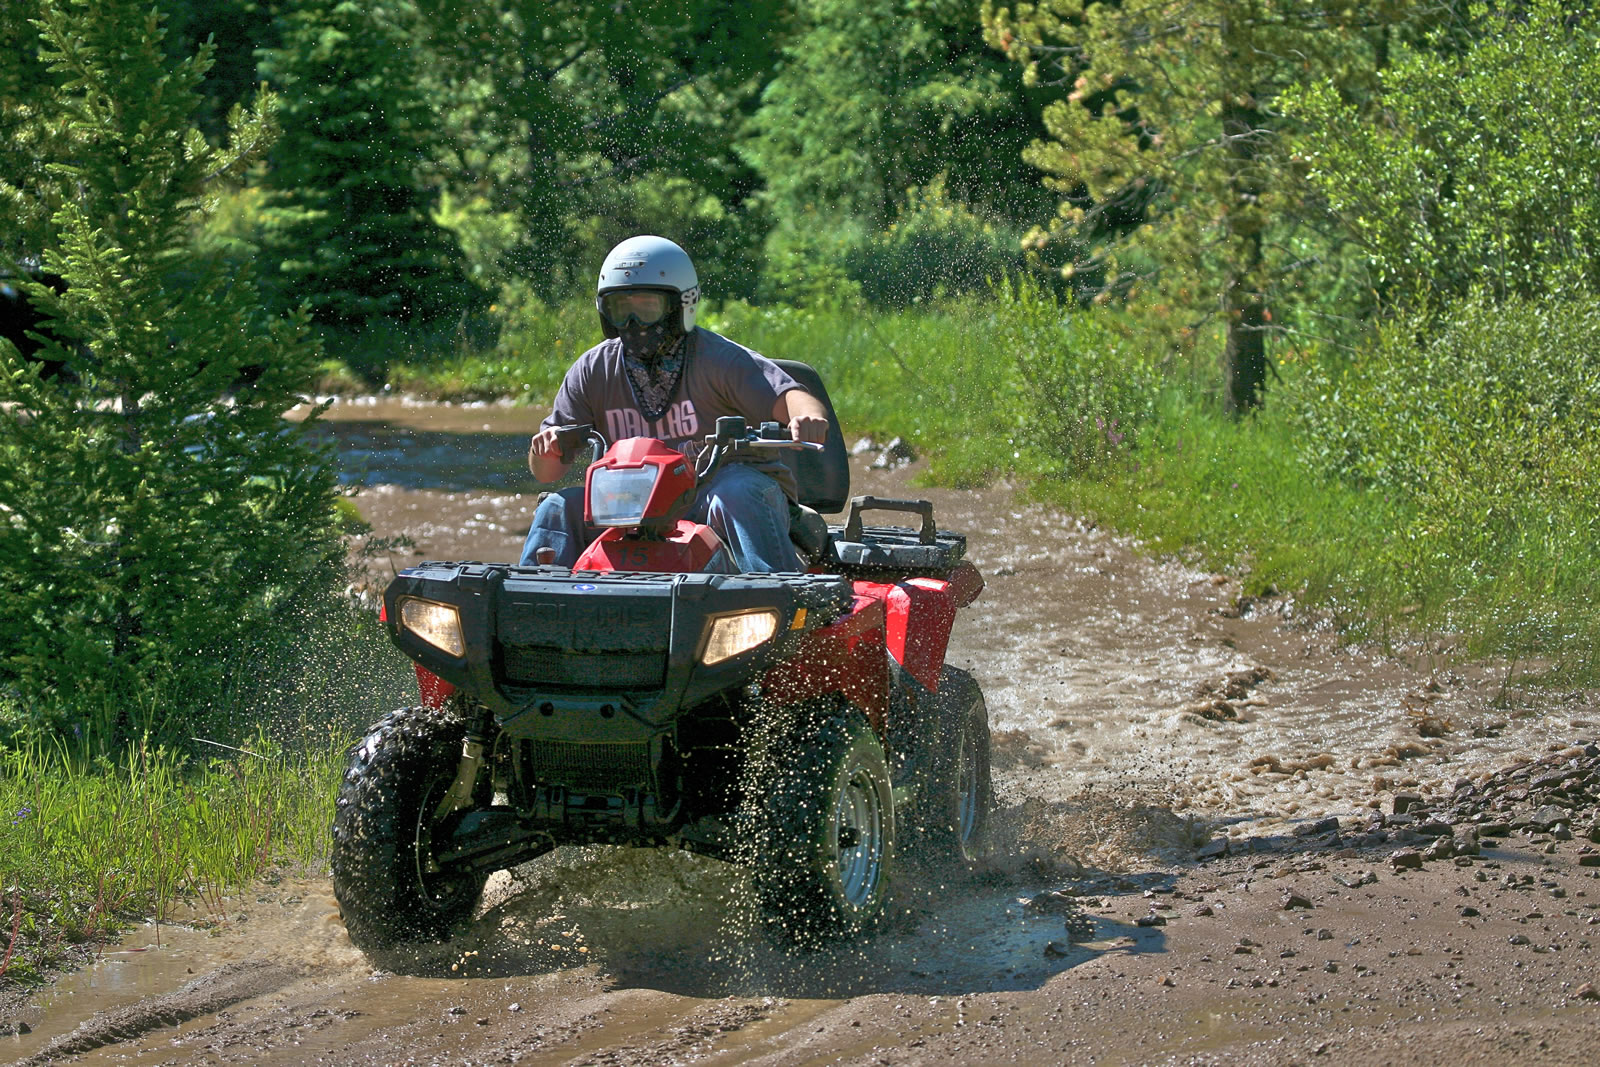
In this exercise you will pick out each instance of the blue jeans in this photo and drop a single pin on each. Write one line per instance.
(745, 507)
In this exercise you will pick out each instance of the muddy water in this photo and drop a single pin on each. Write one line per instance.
(1138, 707)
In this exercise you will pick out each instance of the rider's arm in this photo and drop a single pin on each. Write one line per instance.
(803, 414)
(544, 457)
(573, 406)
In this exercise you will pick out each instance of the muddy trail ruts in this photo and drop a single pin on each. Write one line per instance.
(1224, 837)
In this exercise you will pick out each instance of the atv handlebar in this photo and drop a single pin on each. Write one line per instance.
(572, 437)
(734, 436)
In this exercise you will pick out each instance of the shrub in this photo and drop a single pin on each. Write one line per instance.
(1081, 394)
(156, 510)
(1483, 416)
(936, 248)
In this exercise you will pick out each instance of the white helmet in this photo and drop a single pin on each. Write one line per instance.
(650, 262)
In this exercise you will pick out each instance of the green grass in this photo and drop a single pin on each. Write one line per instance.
(86, 845)
(1237, 495)
(986, 388)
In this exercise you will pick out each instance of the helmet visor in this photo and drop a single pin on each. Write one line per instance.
(649, 306)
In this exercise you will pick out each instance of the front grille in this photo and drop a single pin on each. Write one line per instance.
(542, 665)
(608, 765)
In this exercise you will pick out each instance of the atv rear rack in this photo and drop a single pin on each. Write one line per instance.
(874, 550)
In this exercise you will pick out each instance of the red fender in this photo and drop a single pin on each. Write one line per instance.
(843, 657)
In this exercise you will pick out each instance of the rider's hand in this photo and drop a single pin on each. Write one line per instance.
(544, 444)
(544, 457)
(812, 428)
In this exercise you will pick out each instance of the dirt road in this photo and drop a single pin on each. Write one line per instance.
(1197, 861)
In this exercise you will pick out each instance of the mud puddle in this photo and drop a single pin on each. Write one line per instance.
(1141, 709)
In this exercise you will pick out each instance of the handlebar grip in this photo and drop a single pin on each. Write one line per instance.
(571, 438)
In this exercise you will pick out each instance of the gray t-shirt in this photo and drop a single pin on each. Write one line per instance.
(720, 378)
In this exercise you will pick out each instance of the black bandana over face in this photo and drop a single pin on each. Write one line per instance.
(654, 356)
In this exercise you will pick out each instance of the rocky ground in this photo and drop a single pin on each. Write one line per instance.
(1224, 836)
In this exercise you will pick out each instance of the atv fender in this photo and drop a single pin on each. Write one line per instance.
(919, 615)
(845, 657)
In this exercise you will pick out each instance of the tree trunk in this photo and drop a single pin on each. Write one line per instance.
(1244, 359)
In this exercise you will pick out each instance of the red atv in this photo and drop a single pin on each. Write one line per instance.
(805, 724)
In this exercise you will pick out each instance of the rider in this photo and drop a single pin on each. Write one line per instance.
(657, 375)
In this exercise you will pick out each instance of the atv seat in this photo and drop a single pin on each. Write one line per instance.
(822, 479)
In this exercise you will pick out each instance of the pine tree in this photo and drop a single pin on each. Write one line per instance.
(1168, 150)
(155, 507)
(350, 216)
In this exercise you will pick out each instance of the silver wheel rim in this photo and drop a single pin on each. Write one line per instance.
(967, 786)
(438, 888)
(858, 835)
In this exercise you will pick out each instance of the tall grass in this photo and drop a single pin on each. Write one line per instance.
(86, 844)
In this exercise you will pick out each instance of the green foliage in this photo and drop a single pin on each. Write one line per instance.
(155, 508)
(877, 97)
(936, 248)
(1234, 495)
(887, 145)
(576, 127)
(1168, 152)
(85, 844)
(350, 219)
(1483, 416)
(1081, 395)
(1481, 173)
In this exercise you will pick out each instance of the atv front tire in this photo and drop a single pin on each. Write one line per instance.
(955, 815)
(382, 834)
(825, 827)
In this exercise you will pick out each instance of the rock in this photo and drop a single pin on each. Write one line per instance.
(1518, 939)
(1202, 910)
(1405, 859)
(1295, 902)
(1466, 841)
(1404, 802)
(1586, 991)
(1594, 833)
(1055, 950)
(1150, 920)
(1497, 828)
(1548, 816)
(1591, 860)
(1469, 912)
(1166, 980)
(1357, 880)
(1433, 828)
(1213, 849)
(1050, 902)
(1324, 934)
(1330, 825)
(1560, 832)
(896, 454)
(1441, 849)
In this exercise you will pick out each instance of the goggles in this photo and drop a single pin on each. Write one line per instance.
(649, 306)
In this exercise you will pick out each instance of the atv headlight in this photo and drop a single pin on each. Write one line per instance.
(729, 635)
(438, 624)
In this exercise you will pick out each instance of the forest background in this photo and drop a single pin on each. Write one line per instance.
(1303, 290)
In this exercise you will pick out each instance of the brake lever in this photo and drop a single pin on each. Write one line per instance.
(808, 446)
